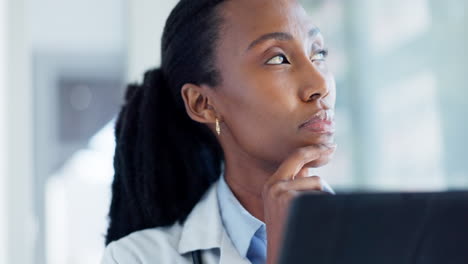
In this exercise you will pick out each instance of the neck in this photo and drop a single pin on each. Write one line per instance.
(246, 176)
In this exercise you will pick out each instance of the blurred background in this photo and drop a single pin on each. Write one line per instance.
(401, 78)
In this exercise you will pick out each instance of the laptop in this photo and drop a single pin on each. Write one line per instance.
(381, 228)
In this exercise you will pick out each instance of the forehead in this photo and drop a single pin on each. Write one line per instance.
(244, 20)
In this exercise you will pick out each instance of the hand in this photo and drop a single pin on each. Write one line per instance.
(286, 183)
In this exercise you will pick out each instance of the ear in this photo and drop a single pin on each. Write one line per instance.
(197, 102)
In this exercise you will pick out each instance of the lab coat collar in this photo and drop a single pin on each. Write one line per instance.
(203, 229)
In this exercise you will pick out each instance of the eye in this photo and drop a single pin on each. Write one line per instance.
(277, 60)
(320, 55)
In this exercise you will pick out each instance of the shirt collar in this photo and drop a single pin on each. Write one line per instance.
(240, 225)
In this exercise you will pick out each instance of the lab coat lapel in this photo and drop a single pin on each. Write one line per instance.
(228, 252)
(203, 227)
(204, 230)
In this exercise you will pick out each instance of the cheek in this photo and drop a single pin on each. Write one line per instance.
(259, 120)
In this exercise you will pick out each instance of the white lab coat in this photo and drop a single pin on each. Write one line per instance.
(203, 230)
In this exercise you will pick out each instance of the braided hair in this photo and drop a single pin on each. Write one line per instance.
(164, 161)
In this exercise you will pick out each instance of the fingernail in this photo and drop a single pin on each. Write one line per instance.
(326, 187)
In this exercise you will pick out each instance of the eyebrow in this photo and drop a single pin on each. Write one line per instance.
(281, 36)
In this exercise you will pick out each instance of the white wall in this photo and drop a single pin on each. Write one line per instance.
(77, 26)
(16, 220)
(146, 22)
(3, 201)
(81, 40)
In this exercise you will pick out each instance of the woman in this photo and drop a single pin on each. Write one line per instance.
(244, 93)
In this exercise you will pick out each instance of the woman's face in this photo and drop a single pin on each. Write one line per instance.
(271, 59)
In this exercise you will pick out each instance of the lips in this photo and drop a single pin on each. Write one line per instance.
(321, 123)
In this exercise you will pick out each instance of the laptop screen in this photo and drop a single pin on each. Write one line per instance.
(377, 228)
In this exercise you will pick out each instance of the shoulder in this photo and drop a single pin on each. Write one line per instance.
(145, 246)
(202, 229)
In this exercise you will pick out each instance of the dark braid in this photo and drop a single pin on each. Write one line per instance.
(164, 161)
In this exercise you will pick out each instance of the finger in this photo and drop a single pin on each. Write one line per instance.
(303, 172)
(284, 189)
(308, 184)
(313, 183)
(294, 163)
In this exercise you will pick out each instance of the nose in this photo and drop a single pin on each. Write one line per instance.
(314, 85)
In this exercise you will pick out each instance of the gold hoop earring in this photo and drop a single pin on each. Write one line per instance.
(218, 129)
